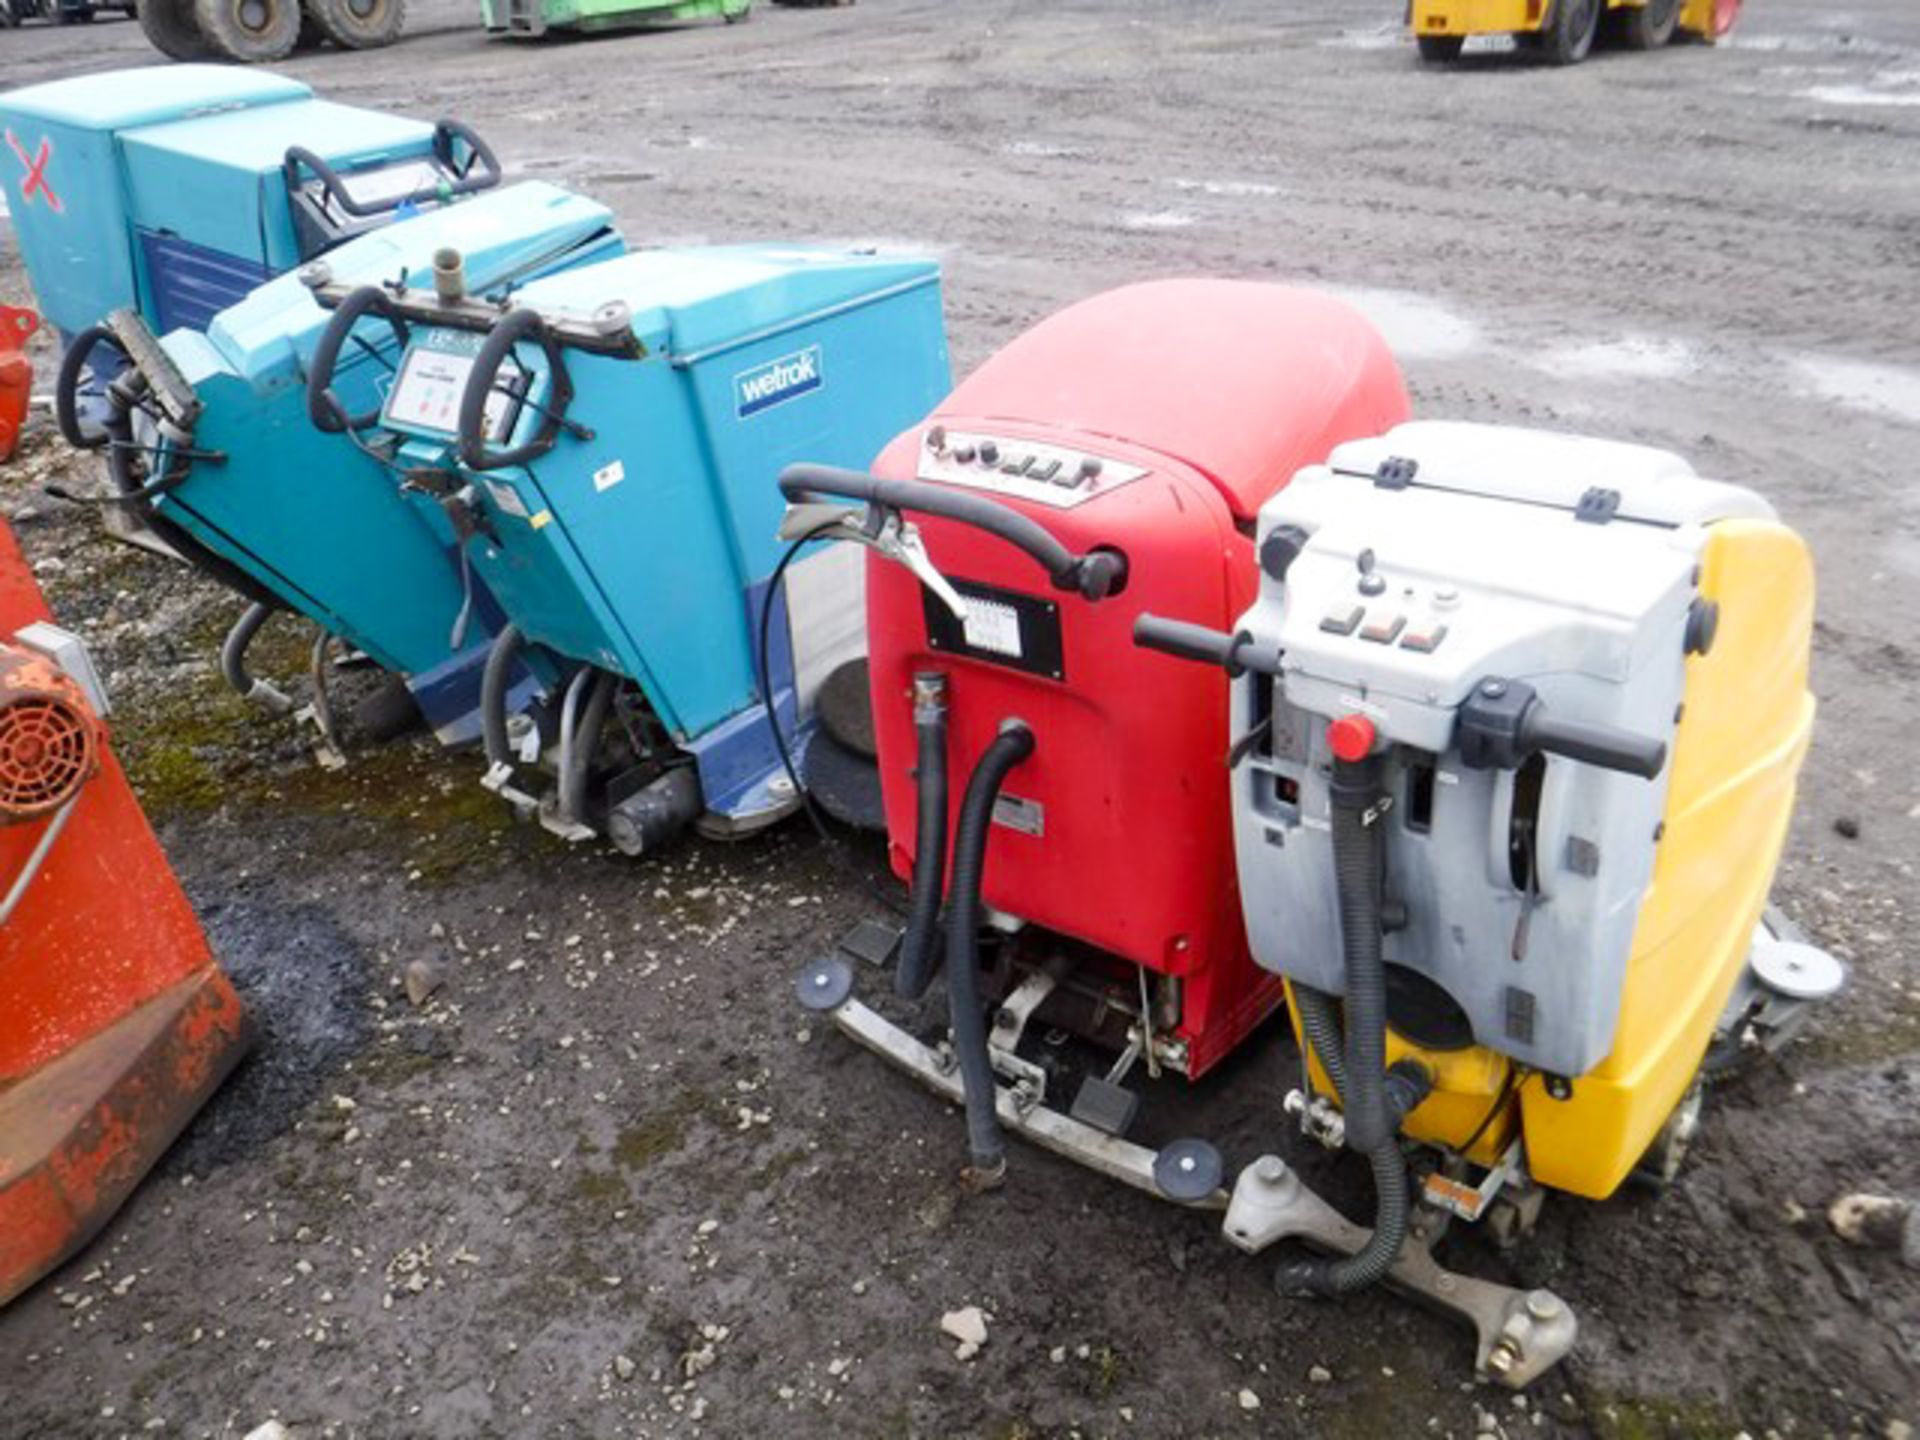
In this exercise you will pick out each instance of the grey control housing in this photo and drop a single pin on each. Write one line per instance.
(1436, 556)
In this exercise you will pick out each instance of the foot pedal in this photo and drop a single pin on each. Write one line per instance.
(1188, 1170)
(872, 942)
(1109, 1108)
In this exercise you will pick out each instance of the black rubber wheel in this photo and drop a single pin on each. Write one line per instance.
(170, 25)
(9, 17)
(845, 707)
(846, 785)
(360, 24)
(250, 31)
(312, 37)
(1441, 49)
(1649, 26)
(1570, 30)
(388, 713)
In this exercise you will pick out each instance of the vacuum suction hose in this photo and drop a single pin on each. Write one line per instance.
(919, 952)
(1373, 1120)
(495, 680)
(1012, 746)
(233, 662)
(578, 745)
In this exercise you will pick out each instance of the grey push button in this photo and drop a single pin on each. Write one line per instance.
(1424, 638)
(1342, 619)
(1384, 630)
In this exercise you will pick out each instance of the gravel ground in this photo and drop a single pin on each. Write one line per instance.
(608, 1181)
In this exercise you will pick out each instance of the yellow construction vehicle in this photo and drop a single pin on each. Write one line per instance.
(1562, 32)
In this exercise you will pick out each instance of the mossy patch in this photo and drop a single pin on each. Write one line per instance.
(1661, 1418)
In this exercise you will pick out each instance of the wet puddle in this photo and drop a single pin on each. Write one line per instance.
(1415, 326)
(1890, 390)
(1634, 358)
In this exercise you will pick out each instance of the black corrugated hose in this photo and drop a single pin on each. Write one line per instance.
(1010, 747)
(919, 947)
(1372, 1122)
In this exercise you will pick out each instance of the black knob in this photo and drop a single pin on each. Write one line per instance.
(1090, 466)
(1703, 623)
(1280, 549)
(989, 453)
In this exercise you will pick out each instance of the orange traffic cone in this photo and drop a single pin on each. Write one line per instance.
(116, 1023)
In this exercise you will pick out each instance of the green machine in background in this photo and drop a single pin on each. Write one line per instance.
(537, 17)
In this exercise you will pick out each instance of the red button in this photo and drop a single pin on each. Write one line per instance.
(1351, 737)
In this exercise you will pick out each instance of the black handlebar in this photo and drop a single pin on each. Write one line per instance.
(479, 171)
(518, 325)
(323, 406)
(1607, 746)
(66, 387)
(1236, 653)
(1503, 722)
(1094, 575)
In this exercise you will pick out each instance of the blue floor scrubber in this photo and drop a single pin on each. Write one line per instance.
(208, 443)
(609, 448)
(175, 190)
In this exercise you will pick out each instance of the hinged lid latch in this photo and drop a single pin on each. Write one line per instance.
(1396, 472)
(1597, 506)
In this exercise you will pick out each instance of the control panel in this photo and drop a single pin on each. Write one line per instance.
(1045, 474)
(424, 397)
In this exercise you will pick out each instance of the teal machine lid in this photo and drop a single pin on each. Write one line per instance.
(694, 301)
(149, 95)
(499, 232)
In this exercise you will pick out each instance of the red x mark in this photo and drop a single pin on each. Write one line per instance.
(36, 169)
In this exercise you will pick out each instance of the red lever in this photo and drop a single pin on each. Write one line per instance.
(1351, 737)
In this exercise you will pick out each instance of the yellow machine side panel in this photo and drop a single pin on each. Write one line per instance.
(1466, 1083)
(1736, 755)
(1493, 17)
(1701, 18)
(1476, 17)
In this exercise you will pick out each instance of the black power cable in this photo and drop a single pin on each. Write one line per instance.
(836, 847)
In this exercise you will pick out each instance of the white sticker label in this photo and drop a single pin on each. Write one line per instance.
(1029, 817)
(608, 476)
(507, 498)
(993, 626)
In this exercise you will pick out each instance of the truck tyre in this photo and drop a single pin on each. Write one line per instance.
(1568, 36)
(1441, 49)
(1649, 26)
(312, 37)
(170, 25)
(250, 31)
(360, 24)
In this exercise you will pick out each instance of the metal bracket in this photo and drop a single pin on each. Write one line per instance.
(1320, 1119)
(1470, 1202)
(1115, 1158)
(1520, 1333)
(499, 780)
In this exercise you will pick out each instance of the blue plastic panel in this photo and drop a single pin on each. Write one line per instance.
(190, 284)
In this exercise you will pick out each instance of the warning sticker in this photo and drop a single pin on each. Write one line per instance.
(993, 626)
(1029, 817)
(507, 498)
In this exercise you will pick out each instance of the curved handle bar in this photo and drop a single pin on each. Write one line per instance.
(1094, 575)
(323, 406)
(1607, 746)
(518, 325)
(466, 179)
(1236, 653)
(66, 387)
